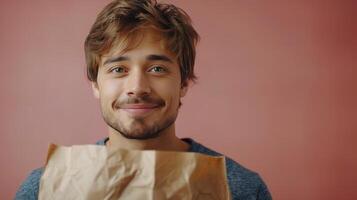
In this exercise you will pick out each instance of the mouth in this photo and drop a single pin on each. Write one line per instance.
(139, 110)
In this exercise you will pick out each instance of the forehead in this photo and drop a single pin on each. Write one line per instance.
(147, 41)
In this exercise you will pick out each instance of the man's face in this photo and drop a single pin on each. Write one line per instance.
(139, 89)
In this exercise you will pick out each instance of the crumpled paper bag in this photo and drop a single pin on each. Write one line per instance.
(94, 172)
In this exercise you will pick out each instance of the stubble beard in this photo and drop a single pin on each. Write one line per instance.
(138, 129)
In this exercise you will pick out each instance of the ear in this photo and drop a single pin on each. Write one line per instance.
(183, 89)
(95, 89)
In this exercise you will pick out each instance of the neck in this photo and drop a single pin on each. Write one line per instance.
(167, 141)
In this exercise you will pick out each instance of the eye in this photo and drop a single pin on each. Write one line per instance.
(118, 70)
(158, 69)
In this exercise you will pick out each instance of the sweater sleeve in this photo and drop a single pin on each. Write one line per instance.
(28, 190)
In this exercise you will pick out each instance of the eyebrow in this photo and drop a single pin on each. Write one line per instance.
(116, 59)
(152, 57)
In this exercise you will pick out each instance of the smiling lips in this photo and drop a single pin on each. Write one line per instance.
(138, 109)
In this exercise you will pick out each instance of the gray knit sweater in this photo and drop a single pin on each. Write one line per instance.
(243, 183)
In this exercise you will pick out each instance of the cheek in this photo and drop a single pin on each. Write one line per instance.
(169, 92)
(109, 90)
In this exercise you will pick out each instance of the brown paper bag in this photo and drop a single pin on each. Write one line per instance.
(96, 172)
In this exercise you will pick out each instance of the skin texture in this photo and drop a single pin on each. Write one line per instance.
(139, 91)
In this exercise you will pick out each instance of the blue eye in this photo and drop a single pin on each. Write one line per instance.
(158, 69)
(118, 70)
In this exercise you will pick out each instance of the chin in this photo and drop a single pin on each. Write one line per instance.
(140, 136)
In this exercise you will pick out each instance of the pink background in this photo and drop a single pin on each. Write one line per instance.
(276, 91)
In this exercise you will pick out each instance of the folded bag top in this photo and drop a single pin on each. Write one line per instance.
(93, 172)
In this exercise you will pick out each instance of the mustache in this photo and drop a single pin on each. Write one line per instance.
(139, 100)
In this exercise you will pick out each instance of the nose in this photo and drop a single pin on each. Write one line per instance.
(137, 84)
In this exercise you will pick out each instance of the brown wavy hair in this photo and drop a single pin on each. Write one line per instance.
(121, 20)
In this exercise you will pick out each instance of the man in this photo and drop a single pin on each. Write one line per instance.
(140, 59)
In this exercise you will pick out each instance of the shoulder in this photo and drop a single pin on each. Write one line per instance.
(243, 182)
(29, 188)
